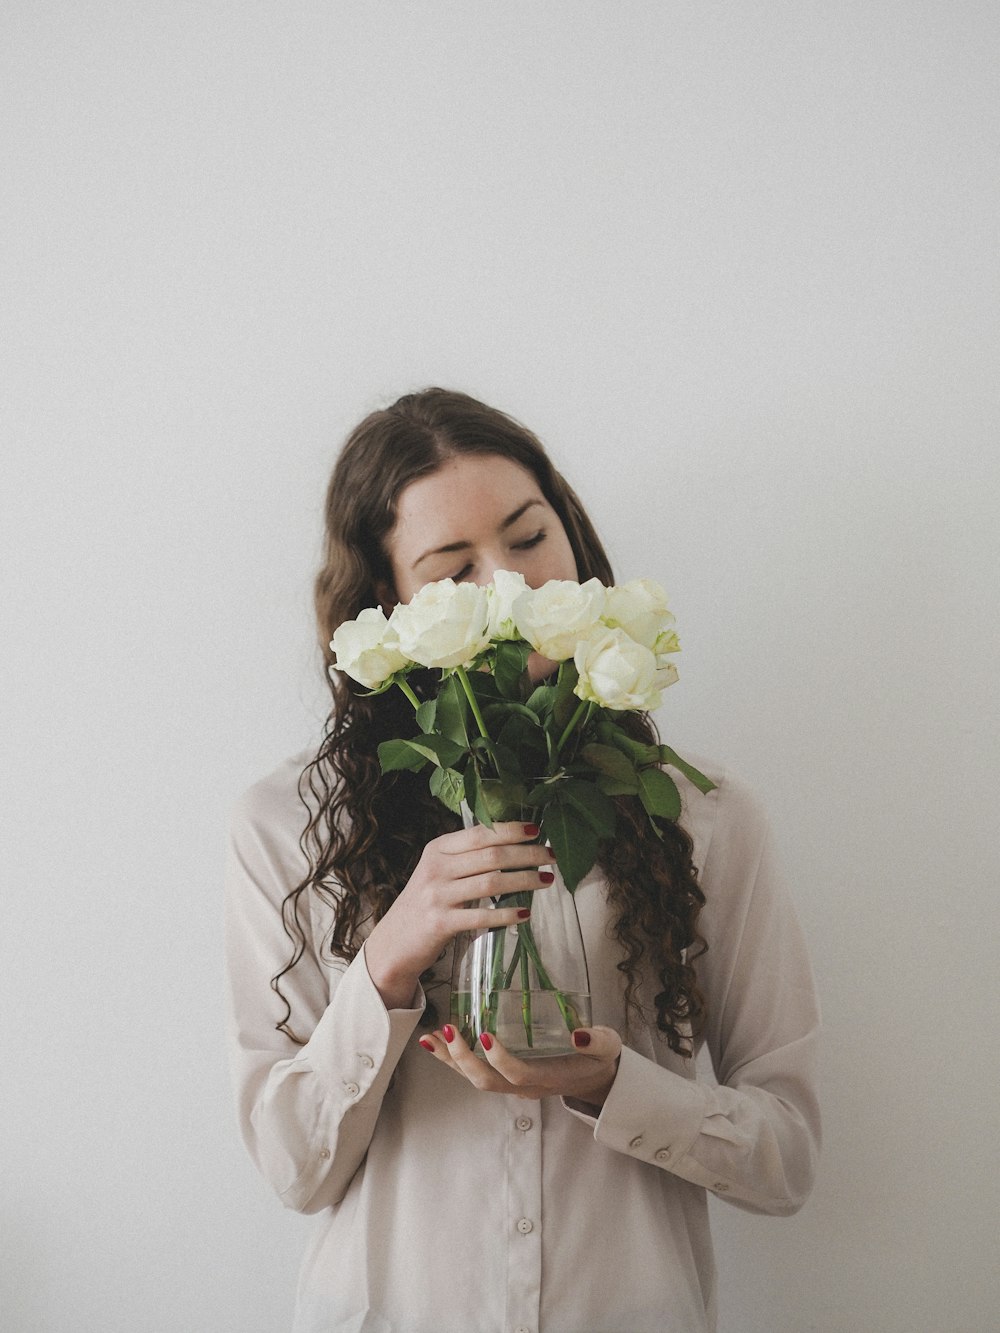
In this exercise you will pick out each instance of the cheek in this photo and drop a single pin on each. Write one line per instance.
(562, 560)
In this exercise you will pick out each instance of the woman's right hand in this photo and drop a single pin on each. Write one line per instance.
(432, 909)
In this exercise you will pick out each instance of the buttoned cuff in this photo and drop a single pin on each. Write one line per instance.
(650, 1113)
(377, 1036)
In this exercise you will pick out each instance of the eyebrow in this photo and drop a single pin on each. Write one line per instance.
(508, 522)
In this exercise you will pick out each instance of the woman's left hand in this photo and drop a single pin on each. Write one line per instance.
(585, 1074)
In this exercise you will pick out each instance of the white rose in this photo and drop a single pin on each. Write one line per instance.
(616, 672)
(556, 616)
(640, 609)
(668, 643)
(503, 593)
(367, 648)
(445, 624)
(666, 673)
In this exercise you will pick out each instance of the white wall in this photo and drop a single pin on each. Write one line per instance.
(737, 264)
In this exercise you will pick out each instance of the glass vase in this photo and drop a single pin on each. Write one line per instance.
(526, 984)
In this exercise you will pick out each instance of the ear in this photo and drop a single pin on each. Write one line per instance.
(386, 595)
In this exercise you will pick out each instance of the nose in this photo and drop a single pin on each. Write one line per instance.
(489, 566)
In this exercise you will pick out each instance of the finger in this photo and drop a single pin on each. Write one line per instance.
(598, 1043)
(500, 888)
(489, 918)
(464, 1062)
(479, 836)
(518, 1074)
(498, 857)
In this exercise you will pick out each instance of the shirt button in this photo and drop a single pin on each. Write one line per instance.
(367, 1061)
(663, 1154)
(525, 1225)
(324, 1153)
(351, 1089)
(523, 1123)
(636, 1142)
(522, 1328)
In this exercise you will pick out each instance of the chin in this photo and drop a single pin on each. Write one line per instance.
(540, 668)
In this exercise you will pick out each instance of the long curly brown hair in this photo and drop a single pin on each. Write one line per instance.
(366, 831)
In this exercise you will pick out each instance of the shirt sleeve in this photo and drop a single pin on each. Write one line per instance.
(306, 1112)
(753, 1139)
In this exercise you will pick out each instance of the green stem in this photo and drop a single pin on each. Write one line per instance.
(473, 702)
(526, 999)
(490, 1016)
(525, 951)
(570, 1016)
(404, 685)
(581, 707)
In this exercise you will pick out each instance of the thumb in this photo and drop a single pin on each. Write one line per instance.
(599, 1043)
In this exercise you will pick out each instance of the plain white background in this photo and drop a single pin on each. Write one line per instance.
(737, 264)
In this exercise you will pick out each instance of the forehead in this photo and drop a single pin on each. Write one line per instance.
(466, 490)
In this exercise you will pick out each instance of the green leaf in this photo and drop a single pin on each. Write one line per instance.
(610, 760)
(544, 792)
(506, 762)
(637, 751)
(572, 839)
(525, 739)
(413, 754)
(509, 665)
(502, 709)
(592, 804)
(395, 755)
(448, 785)
(692, 774)
(616, 787)
(499, 800)
(658, 793)
(471, 782)
(542, 700)
(565, 701)
(483, 685)
(452, 712)
(425, 715)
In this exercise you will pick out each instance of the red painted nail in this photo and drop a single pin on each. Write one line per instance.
(531, 830)
(581, 1038)
(546, 876)
(448, 1032)
(487, 1041)
(427, 1044)
(523, 913)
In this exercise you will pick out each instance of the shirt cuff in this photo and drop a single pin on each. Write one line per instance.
(650, 1113)
(358, 1042)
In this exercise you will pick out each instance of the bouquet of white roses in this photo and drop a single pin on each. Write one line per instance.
(503, 746)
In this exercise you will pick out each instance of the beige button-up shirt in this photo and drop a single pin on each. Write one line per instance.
(441, 1209)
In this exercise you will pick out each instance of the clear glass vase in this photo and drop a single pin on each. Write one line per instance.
(527, 984)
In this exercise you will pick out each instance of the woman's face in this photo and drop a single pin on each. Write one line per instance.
(476, 514)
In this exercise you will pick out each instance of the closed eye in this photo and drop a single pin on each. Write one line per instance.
(530, 542)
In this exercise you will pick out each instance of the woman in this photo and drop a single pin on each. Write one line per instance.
(462, 1191)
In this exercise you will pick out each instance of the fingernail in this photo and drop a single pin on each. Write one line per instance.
(581, 1038)
(546, 876)
(487, 1041)
(523, 913)
(550, 851)
(531, 830)
(427, 1044)
(448, 1032)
